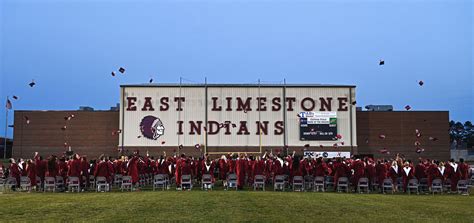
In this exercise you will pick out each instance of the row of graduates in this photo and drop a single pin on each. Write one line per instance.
(244, 166)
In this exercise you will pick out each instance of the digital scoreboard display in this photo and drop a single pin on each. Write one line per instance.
(318, 126)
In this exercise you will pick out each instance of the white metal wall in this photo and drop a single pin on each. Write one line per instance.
(194, 110)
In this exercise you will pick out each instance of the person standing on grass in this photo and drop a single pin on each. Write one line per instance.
(394, 172)
(240, 171)
(53, 169)
(463, 170)
(132, 167)
(453, 173)
(102, 169)
(420, 170)
(41, 166)
(381, 172)
(15, 172)
(407, 174)
(31, 172)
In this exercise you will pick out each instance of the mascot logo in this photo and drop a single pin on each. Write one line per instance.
(152, 127)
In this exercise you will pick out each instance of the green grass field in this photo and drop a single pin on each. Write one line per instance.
(234, 206)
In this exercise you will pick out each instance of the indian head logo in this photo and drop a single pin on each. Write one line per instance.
(152, 127)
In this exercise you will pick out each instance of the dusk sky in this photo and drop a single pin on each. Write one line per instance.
(70, 47)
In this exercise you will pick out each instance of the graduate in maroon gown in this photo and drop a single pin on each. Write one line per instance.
(15, 171)
(63, 168)
(407, 174)
(319, 168)
(463, 169)
(223, 168)
(258, 167)
(433, 173)
(132, 168)
(381, 172)
(420, 170)
(53, 168)
(370, 171)
(240, 171)
(340, 169)
(31, 172)
(208, 167)
(359, 171)
(41, 166)
(454, 173)
(394, 173)
(102, 169)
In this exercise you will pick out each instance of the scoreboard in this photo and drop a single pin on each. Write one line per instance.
(318, 126)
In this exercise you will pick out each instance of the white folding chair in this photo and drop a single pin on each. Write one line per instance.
(298, 183)
(318, 184)
(206, 182)
(329, 182)
(423, 185)
(413, 185)
(437, 186)
(387, 184)
(259, 182)
(126, 183)
(343, 184)
(280, 183)
(118, 180)
(363, 184)
(447, 185)
(73, 184)
(186, 182)
(308, 182)
(49, 184)
(231, 181)
(91, 182)
(59, 183)
(101, 184)
(25, 183)
(9, 184)
(463, 187)
(39, 183)
(159, 181)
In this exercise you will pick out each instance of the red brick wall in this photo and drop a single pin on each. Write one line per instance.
(399, 129)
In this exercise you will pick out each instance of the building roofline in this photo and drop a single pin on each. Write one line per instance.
(239, 85)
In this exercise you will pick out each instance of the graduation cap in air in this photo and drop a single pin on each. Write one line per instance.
(321, 146)
(419, 150)
(32, 83)
(151, 80)
(381, 136)
(417, 143)
(367, 141)
(298, 115)
(121, 70)
(342, 143)
(180, 146)
(354, 103)
(27, 120)
(381, 62)
(139, 137)
(64, 128)
(163, 142)
(407, 107)
(221, 125)
(433, 138)
(339, 136)
(15, 97)
(234, 125)
(334, 145)
(306, 145)
(417, 133)
(113, 73)
(197, 146)
(11, 126)
(384, 151)
(421, 83)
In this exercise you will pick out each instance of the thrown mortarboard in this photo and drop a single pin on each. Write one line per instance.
(384, 151)
(339, 136)
(381, 136)
(151, 80)
(321, 146)
(121, 70)
(354, 103)
(11, 126)
(113, 73)
(197, 146)
(421, 83)
(32, 83)
(417, 143)
(234, 125)
(306, 145)
(334, 145)
(419, 150)
(407, 107)
(64, 128)
(417, 133)
(163, 142)
(139, 137)
(367, 140)
(342, 143)
(433, 138)
(381, 62)
(27, 120)
(180, 146)
(15, 97)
